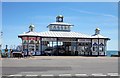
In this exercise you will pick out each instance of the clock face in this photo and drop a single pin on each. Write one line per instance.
(60, 19)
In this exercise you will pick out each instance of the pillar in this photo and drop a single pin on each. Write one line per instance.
(98, 46)
(57, 47)
(41, 45)
(76, 44)
(105, 46)
(36, 45)
(91, 48)
(52, 46)
(22, 44)
(28, 46)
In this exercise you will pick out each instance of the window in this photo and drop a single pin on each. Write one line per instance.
(57, 27)
(95, 48)
(31, 29)
(101, 49)
(95, 44)
(54, 27)
(65, 27)
(50, 27)
(61, 27)
(68, 27)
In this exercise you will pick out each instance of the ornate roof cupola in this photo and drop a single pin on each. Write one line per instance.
(59, 25)
(98, 35)
(97, 31)
(31, 28)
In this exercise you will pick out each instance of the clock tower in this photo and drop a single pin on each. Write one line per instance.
(59, 18)
(60, 25)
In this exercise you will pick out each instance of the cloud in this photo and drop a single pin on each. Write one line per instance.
(108, 15)
(94, 13)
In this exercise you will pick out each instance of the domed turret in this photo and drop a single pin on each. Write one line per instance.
(60, 16)
(97, 31)
(31, 28)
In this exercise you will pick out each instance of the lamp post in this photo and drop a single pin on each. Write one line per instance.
(1, 33)
(0, 50)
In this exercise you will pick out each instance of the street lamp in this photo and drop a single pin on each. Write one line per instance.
(1, 33)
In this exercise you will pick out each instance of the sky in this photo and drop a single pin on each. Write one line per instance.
(86, 17)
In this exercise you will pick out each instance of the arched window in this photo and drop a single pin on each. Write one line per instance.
(95, 44)
(31, 29)
(101, 44)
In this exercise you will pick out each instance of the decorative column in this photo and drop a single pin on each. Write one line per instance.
(41, 45)
(76, 43)
(105, 46)
(28, 46)
(36, 44)
(52, 46)
(84, 48)
(22, 44)
(98, 46)
(91, 48)
(57, 47)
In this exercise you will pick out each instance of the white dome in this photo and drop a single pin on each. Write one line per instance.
(60, 16)
(97, 29)
(31, 26)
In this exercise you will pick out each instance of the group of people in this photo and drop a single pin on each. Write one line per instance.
(30, 54)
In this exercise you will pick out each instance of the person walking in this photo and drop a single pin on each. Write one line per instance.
(23, 54)
(31, 53)
(11, 53)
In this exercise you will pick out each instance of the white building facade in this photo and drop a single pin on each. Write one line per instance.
(60, 40)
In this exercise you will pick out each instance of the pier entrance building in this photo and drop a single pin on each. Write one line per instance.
(60, 40)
